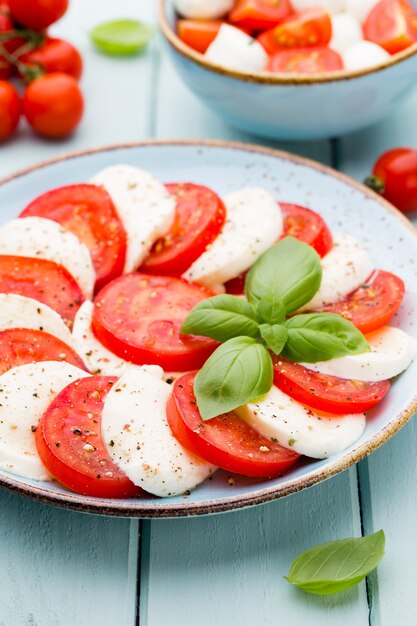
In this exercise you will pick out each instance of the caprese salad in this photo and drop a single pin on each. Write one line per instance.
(150, 334)
(297, 36)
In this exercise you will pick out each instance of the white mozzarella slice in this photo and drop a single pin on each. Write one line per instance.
(140, 442)
(345, 268)
(360, 9)
(391, 352)
(331, 6)
(280, 418)
(236, 50)
(98, 359)
(25, 394)
(346, 31)
(364, 54)
(203, 9)
(41, 238)
(254, 223)
(144, 205)
(21, 312)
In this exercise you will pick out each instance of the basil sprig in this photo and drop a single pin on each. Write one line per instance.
(283, 279)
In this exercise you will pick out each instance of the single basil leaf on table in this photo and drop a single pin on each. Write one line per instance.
(275, 336)
(314, 337)
(271, 309)
(222, 318)
(332, 567)
(238, 372)
(122, 37)
(290, 270)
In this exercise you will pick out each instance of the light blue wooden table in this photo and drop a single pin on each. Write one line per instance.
(59, 568)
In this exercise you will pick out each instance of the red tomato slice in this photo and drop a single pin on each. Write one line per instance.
(19, 346)
(70, 444)
(301, 223)
(327, 393)
(392, 24)
(138, 317)
(227, 441)
(88, 212)
(41, 280)
(306, 61)
(259, 14)
(302, 30)
(373, 304)
(200, 216)
(198, 34)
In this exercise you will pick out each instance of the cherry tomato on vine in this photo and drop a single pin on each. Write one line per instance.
(306, 29)
(6, 25)
(37, 14)
(395, 178)
(55, 55)
(10, 108)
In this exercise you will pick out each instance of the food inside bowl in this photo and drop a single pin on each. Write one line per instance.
(297, 36)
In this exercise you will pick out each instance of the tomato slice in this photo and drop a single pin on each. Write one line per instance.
(198, 34)
(327, 393)
(41, 280)
(138, 317)
(199, 218)
(258, 15)
(19, 346)
(392, 24)
(306, 61)
(70, 444)
(373, 304)
(89, 213)
(301, 223)
(227, 441)
(302, 30)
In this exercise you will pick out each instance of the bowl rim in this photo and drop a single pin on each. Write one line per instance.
(163, 508)
(272, 79)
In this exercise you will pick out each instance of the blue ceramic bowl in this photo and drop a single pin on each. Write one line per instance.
(292, 106)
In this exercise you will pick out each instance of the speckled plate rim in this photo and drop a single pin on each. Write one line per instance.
(162, 508)
(271, 79)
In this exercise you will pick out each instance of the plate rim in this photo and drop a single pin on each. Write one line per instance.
(162, 508)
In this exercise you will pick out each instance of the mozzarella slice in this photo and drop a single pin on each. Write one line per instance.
(345, 268)
(392, 351)
(254, 223)
(203, 9)
(44, 239)
(360, 9)
(364, 54)
(144, 205)
(98, 359)
(236, 50)
(21, 312)
(279, 417)
(25, 394)
(140, 442)
(346, 31)
(331, 6)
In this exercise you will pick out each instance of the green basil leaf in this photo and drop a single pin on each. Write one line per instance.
(122, 37)
(222, 318)
(314, 337)
(271, 309)
(275, 336)
(290, 270)
(238, 372)
(338, 565)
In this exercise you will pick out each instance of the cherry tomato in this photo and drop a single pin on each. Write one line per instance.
(395, 177)
(302, 30)
(9, 110)
(392, 24)
(138, 317)
(71, 446)
(88, 212)
(37, 14)
(373, 304)
(226, 441)
(6, 25)
(327, 393)
(53, 105)
(55, 55)
(200, 216)
(306, 61)
(198, 34)
(41, 280)
(258, 15)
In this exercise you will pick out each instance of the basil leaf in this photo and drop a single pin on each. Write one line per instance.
(271, 309)
(338, 565)
(222, 318)
(239, 371)
(314, 337)
(122, 37)
(290, 270)
(275, 336)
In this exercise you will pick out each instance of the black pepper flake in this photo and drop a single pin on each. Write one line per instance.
(169, 381)
(111, 443)
(33, 429)
(76, 431)
(57, 444)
